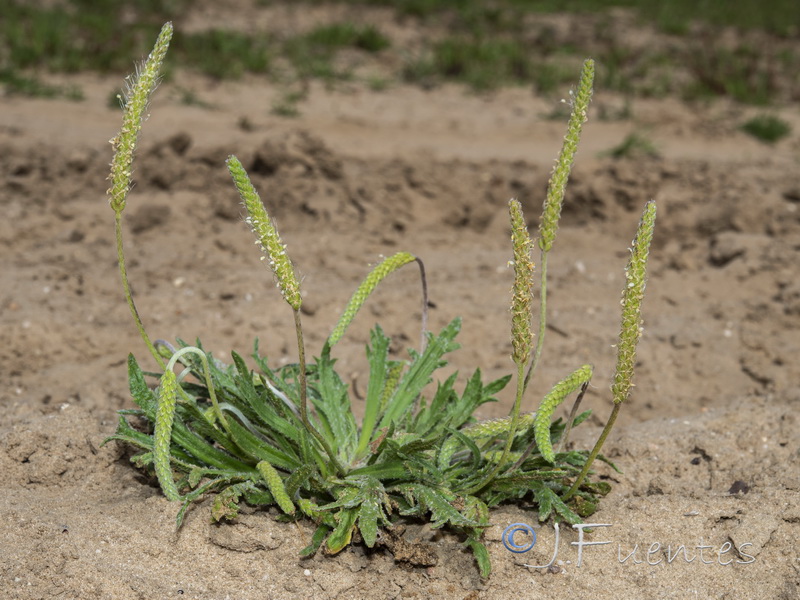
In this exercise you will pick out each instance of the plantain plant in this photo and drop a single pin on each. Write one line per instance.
(287, 437)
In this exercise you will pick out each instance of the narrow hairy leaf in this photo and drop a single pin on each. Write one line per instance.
(481, 555)
(316, 541)
(126, 433)
(475, 452)
(564, 511)
(475, 510)
(343, 533)
(332, 403)
(437, 502)
(259, 450)
(258, 497)
(195, 494)
(377, 353)
(141, 393)
(544, 497)
(475, 395)
(439, 412)
(385, 470)
(205, 452)
(315, 513)
(368, 522)
(419, 373)
(372, 496)
(298, 479)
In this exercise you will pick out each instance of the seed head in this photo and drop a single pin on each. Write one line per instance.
(522, 292)
(266, 234)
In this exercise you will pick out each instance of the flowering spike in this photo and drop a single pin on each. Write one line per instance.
(549, 404)
(136, 99)
(632, 295)
(558, 180)
(384, 268)
(266, 234)
(521, 334)
(165, 415)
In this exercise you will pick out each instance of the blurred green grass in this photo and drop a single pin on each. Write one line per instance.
(484, 45)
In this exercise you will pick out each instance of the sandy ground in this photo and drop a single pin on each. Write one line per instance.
(709, 444)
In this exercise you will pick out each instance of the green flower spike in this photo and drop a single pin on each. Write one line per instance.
(551, 211)
(275, 250)
(136, 100)
(548, 406)
(266, 234)
(631, 326)
(558, 180)
(165, 415)
(522, 292)
(276, 487)
(384, 268)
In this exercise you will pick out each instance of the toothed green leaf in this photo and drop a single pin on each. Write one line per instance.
(343, 533)
(437, 502)
(316, 541)
(481, 555)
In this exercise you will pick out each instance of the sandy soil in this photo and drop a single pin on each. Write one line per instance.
(709, 444)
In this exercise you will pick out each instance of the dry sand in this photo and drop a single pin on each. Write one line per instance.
(708, 445)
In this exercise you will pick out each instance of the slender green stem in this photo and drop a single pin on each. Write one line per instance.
(424, 325)
(423, 343)
(301, 352)
(128, 296)
(510, 439)
(571, 419)
(595, 451)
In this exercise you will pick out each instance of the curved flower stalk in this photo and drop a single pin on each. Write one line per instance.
(140, 88)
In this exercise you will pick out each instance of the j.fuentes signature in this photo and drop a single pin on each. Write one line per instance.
(655, 554)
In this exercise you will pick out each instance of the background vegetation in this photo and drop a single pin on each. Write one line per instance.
(484, 45)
